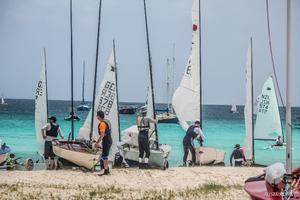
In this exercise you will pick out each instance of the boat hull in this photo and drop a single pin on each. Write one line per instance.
(168, 119)
(76, 154)
(4, 153)
(127, 111)
(83, 108)
(208, 156)
(158, 158)
(3, 158)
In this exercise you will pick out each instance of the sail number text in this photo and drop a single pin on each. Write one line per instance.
(107, 97)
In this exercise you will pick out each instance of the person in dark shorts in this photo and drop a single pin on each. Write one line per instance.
(238, 156)
(193, 132)
(104, 130)
(50, 132)
(143, 125)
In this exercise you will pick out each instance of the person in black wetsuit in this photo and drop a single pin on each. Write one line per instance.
(50, 132)
(143, 124)
(193, 132)
(279, 142)
(238, 156)
(104, 130)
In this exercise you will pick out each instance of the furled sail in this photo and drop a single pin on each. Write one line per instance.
(186, 98)
(41, 108)
(106, 101)
(268, 124)
(248, 110)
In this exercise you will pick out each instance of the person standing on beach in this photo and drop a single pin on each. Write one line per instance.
(104, 130)
(238, 156)
(193, 132)
(143, 124)
(50, 132)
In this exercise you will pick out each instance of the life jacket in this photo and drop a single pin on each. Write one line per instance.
(190, 135)
(238, 155)
(107, 130)
(142, 126)
(53, 132)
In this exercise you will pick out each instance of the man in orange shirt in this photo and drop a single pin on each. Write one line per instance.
(104, 131)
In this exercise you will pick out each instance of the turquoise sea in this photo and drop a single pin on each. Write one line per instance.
(221, 128)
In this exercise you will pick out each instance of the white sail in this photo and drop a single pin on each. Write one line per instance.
(233, 108)
(41, 112)
(268, 124)
(106, 101)
(248, 146)
(186, 98)
(2, 101)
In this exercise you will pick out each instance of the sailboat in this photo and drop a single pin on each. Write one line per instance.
(80, 152)
(3, 101)
(288, 184)
(233, 109)
(159, 153)
(268, 124)
(187, 101)
(83, 106)
(169, 116)
(41, 106)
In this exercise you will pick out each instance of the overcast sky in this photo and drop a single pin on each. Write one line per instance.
(26, 26)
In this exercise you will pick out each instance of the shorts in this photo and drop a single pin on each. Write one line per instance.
(106, 144)
(49, 150)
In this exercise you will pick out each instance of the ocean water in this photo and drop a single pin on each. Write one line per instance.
(222, 130)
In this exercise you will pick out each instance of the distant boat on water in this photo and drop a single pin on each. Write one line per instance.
(3, 101)
(83, 106)
(128, 110)
(233, 109)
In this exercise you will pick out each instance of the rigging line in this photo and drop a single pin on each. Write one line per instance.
(271, 53)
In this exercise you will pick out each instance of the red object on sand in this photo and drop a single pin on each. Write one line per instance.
(261, 190)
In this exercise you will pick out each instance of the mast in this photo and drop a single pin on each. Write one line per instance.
(95, 74)
(72, 78)
(117, 88)
(150, 71)
(46, 82)
(83, 80)
(200, 66)
(252, 111)
(168, 85)
(173, 75)
(288, 93)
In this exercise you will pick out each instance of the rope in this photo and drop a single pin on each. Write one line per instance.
(271, 53)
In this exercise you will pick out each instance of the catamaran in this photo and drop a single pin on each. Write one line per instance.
(169, 116)
(159, 153)
(83, 106)
(187, 101)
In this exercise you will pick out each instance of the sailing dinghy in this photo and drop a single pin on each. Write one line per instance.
(79, 152)
(41, 107)
(159, 153)
(268, 124)
(186, 100)
(233, 109)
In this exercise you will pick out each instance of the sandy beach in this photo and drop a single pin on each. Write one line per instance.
(174, 183)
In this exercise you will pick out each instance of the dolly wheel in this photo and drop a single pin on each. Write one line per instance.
(28, 164)
(166, 165)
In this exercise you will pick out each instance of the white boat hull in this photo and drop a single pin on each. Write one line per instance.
(208, 156)
(82, 159)
(158, 158)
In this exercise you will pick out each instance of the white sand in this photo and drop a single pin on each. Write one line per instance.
(128, 183)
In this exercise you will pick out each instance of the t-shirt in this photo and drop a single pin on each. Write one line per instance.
(102, 128)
